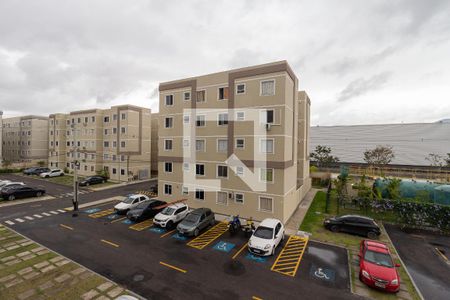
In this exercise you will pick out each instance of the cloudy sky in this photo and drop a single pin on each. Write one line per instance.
(361, 62)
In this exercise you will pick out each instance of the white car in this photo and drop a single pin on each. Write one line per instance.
(8, 184)
(3, 182)
(267, 236)
(52, 173)
(171, 215)
(130, 202)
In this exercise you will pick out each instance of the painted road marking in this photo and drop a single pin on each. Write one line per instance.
(142, 225)
(128, 222)
(260, 259)
(92, 210)
(46, 214)
(37, 216)
(9, 222)
(102, 213)
(289, 258)
(179, 236)
(61, 211)
(240, 250)
(157, 230)
(172, 267)
(54, 212)
(20, 220)
(209, 236)
(224, 246)
(29, 218)
(117, 220)
(110, 243)
(256, 298)
(167, 233)
(441, 254)
(65, 226)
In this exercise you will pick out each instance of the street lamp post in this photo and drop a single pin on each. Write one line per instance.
(76, 164)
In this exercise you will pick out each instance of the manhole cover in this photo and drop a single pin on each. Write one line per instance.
(234, 267)
(138, 277)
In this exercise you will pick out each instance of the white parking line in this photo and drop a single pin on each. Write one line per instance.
(9, 222)
(46, 214)
(54, 212)
(37, 216)
(20, 220)
(29, 218)
(61, 211)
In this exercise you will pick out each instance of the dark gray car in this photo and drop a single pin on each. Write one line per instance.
(196, 221)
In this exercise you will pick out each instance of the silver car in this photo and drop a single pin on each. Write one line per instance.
(196, 221)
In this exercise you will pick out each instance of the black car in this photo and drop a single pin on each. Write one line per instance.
(35, 171)
(21, 191)
(92, 180)
(353, 224)
(145, 210)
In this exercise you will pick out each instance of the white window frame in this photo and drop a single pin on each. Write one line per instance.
(263, 116)
(237, 116)
(260, 87)
(185, 190)
(186, 143)
(206, 96)
(184, 96)
(226, 198)
(265, 150)
(273, 175)
(243, 198)
(204, 120)
(168, 162)
(165, 149)
(218, 93)
(171, 189)
(184, 166)
(217, 172)
(204, 148)
(165, 100)
(236, 88)
(259, 204)
(186, 119)
(236, 143)
(204, 170)
(165, 124)
(218, 119)
(239, 171)
(199, 190)
(217, 145)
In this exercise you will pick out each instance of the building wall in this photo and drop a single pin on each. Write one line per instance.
(1, 138)
(154, 146)
(25, 140)
(285, 131)
(411, 142)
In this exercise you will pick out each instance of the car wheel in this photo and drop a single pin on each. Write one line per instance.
(196, 232)
(169, 224)
(334, 228)
(62, 174)
(372, 235)
(11, 197)
(212, 222)
(38, 194)
(47, 176)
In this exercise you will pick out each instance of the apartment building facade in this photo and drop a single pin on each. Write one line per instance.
(25, 140)
(235, 141)
(1, 137)
(115, 140)
(154, 156)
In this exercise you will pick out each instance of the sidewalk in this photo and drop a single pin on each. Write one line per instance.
(297, 218)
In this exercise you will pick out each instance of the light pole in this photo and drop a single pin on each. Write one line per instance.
(76, 164)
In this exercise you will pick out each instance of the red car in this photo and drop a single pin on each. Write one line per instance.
(376, 267)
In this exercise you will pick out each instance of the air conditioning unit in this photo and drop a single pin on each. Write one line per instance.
(268, 126)
(231, 195)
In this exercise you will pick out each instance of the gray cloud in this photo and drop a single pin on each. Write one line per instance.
(361, 86)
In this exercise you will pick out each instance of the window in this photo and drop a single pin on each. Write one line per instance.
(185, 190)
(222, 171)
(187, 96)
(267, 88)
(222, 145)
(240, 88)
(123, 116)
(222, 198)
(114, 170)
(265, 204)
(223, 93)
(168, 189)
(106, 144)
(240, 143)
(222, 119)
(240, 171)
(199, 194)
(239, 198)
(186, 119)
(106, 119)
(106, 131)
(186, 166)
(114, 144)
(86, 119)
(200, 169)
(185, 143)
(169, 100)
(201, 96)
(122, 144)
(266, 146)
(168, 122)
(240, 116)
(200, 121)
(92, 119)
(122, 130)
(266, 175)
(114, 130)
(168, 167)
(122, 171)
(267, 116)
(168, 145)
(200, 145)
(114, 117)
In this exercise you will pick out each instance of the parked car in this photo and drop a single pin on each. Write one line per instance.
(196, 221)
(3, 182)
(354, 224)
(145, 210)
(267, 236)
(171, 215)
(21, 191)
(10, 184)
(130, 202)
(52, 173)
(36, 171)
(376, 267)
(92, 180)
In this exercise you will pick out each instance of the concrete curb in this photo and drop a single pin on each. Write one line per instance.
(93, 203)
(18, 201)
(120, 184)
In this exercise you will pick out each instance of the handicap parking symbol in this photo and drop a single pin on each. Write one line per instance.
(92, 210)
(223, 246)
(112, 217)
(179, 237)
(259, 259)
(157, 230)
(322, 273)
(128, 222)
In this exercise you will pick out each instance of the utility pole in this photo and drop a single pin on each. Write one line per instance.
(75, 163)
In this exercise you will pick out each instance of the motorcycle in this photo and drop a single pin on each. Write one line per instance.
(234, 225)
(248, 228)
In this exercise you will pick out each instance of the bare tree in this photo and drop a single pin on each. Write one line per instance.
(447, 160)
(435, 160)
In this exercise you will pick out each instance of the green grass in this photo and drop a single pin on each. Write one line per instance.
(68, 180)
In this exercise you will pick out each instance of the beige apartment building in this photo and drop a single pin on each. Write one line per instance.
(154, 168)
(25, 140)
(116, 140)
(235, 141)
(1, 136)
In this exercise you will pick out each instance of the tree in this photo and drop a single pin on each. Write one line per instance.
(380, 156)
(447, 160)
(435, 160)
(322, 155)
(41, 163)
(393, 188)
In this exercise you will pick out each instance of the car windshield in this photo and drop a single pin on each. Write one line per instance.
(168, 211)
(378, 258)
(129, 200)
(191, 218)
(89, 178)
(264, 232)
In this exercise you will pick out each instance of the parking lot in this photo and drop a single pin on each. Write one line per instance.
(160, 264)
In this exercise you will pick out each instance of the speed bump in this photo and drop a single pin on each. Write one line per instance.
(209, 236)
(289, 258)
